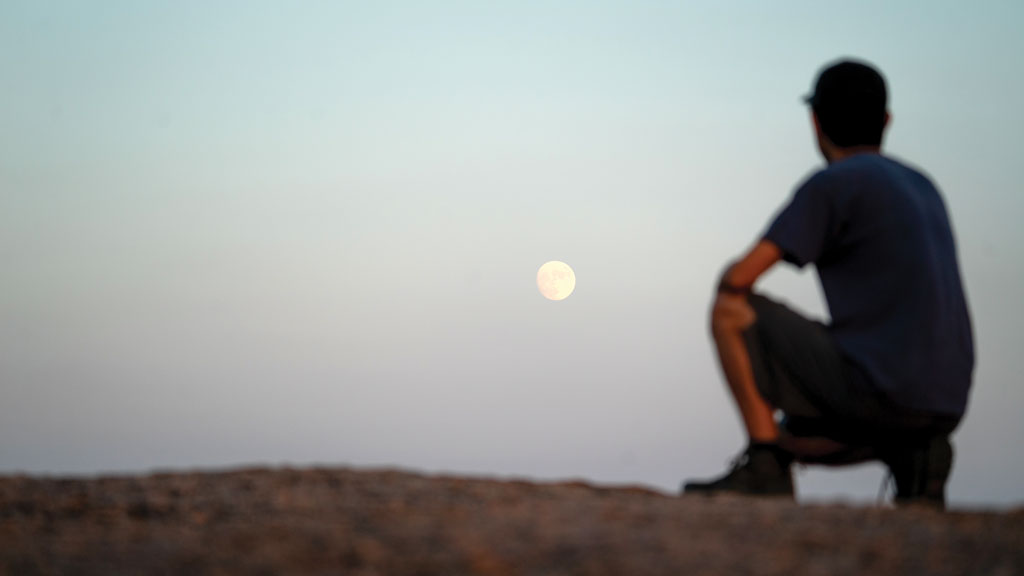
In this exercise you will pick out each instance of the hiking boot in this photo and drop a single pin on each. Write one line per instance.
(921, 470)
(761, 470)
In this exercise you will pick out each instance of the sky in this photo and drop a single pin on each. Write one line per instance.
(307, 233)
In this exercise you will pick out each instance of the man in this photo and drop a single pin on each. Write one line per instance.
(888, 378)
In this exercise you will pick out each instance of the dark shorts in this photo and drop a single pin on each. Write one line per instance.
(801, 371)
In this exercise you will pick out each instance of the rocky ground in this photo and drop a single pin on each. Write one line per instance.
(341, 521)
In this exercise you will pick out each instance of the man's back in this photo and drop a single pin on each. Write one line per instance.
(880, 237)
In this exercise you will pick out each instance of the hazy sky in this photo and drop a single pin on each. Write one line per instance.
(308, 232)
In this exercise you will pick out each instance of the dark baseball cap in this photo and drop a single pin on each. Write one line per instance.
(849, 86)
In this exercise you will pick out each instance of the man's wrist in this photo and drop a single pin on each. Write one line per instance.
(726, 287)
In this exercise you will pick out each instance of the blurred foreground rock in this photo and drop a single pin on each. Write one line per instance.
(339, 521)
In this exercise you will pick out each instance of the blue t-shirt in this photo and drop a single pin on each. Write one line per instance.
(879, 235)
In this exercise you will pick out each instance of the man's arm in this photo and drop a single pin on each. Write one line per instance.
(739, 277)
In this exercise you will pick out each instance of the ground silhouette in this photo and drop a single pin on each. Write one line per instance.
(377, 522)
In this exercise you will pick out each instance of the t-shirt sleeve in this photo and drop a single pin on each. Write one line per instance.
(800, 229)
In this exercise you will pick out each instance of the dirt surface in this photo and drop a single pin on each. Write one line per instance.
(340, 521)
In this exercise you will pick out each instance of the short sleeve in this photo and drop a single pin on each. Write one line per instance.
(800, 229)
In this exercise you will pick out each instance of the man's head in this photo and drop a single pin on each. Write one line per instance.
(849, 105)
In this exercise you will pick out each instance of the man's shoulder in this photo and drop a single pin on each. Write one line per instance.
(876, 169)
(874, 164)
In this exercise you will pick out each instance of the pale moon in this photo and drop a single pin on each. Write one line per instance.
(556, 280)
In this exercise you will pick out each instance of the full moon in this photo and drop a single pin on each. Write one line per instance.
(556, 280)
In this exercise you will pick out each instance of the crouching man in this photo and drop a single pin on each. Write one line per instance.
(888, 378)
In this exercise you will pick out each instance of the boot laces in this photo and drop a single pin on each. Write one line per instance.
(739, 460)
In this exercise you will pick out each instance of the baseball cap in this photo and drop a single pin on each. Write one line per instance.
(849, 86)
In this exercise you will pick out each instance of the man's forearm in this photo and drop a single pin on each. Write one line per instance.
(739, 277)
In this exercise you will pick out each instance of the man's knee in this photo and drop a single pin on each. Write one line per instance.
(731, 314)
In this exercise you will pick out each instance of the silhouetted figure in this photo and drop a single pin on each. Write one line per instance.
(888, 378)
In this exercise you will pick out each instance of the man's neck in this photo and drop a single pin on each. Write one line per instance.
(836, 153)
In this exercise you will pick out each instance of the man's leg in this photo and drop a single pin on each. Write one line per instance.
(730, 317)
(763, 468)
(796, 366)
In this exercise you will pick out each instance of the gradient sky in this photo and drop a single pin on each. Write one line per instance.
(308, 232)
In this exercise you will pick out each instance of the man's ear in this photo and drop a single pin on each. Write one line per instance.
(825, 145)
(817, 125)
